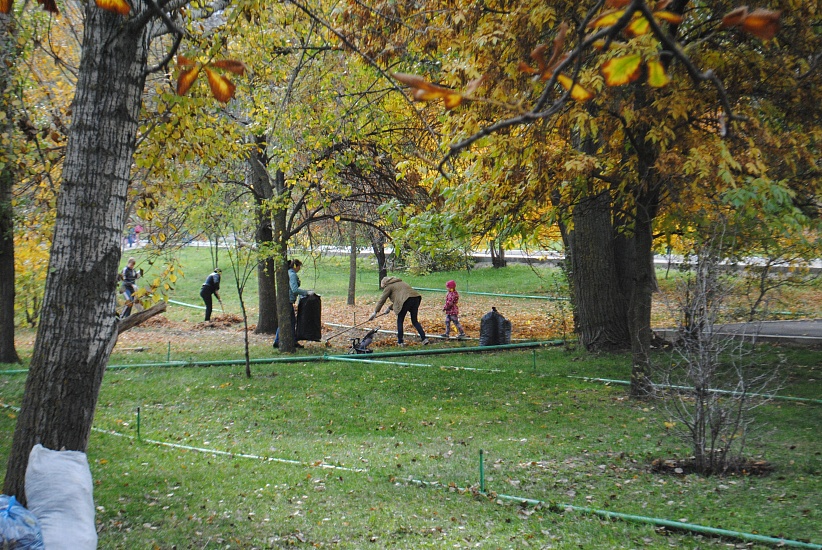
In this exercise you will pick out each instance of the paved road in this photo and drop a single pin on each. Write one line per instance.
(806, 332)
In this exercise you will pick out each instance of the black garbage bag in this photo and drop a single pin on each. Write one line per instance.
(495, 330)
(309, 319)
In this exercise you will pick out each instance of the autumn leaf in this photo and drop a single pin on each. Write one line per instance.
(186, 79)
(474, 85)
(221, 87)
(669, 17)
(578, 93)
(762, 23)
(622, 70)
(638, 26)
(117, 6)
(425, 91)
(617, 3)
(230, 65)
(183, 61)
(606, 19)
(545, 68)
(657, 77)
(48, 5)
(735, 17)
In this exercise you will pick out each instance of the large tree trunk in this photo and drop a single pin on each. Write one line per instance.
(600, 301)
(78, 324)
(8, 354)
(267, 294)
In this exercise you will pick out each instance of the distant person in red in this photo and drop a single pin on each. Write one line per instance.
(452, 311)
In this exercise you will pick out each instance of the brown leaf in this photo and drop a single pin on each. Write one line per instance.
(425, 91)
(186, 79)
(669, 16)
(117, 6)
(526, 68)
(474, 85)
(183, 61)
(221, 87)
(538, 55)
(762, 23)
(49, 6)
(735, 17)
(617, 3)
(230, 65)
(5, 6)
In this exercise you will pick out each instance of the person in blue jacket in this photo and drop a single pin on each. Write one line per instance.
(294, 291)
(211, 286)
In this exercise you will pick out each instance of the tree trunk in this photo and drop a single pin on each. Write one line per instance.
(639, 309)
(378, 246)
(140, 317)
(497, 256)
(284, 307)
(78, 324)
(8, 354)
(352, 265)
(601, 303)
(263, 192)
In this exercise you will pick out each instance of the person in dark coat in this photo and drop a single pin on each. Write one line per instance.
(211, 286)
(294, 291)
(129, 276)
(404, 300)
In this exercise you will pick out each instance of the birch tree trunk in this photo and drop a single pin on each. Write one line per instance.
(78, 325)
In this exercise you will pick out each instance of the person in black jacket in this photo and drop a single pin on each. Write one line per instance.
(211, 286)
(129, 276)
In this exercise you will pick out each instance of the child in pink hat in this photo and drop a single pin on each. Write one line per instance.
(452, 311)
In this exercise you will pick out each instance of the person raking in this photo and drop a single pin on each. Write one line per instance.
(404, 300)
(211, 286)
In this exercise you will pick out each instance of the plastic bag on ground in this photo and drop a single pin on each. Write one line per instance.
(19, 528)
(59, 494)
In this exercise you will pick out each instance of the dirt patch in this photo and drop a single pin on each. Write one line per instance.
(530, 320)
(687, 466)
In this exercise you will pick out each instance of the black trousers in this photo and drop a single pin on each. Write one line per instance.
(412, 306)
(205, 294)
(293, 324)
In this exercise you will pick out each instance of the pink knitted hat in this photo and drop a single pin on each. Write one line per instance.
(451, 284)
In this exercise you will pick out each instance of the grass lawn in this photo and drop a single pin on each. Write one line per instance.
(338, 454)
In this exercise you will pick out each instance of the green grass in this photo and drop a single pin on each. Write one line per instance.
(544, 436)
(385, 428)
